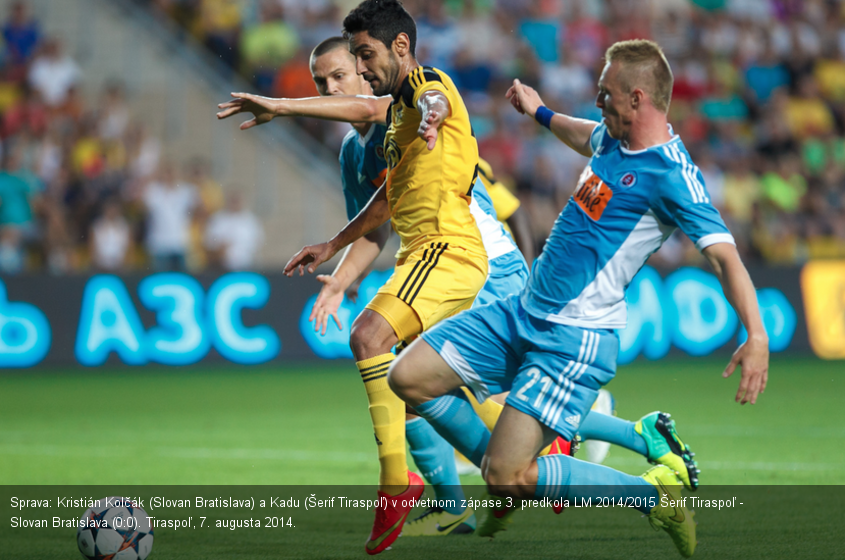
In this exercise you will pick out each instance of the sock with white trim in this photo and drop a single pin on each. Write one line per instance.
(454, 419)
(613, 430)
(567, 478)
(436, 460)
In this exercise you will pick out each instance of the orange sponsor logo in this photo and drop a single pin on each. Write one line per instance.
(592, 194)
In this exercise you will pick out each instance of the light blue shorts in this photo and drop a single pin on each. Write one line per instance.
(553, 371)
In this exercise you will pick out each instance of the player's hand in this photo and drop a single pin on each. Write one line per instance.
(753, 358)
(429, 126)
(327, 304)
(524, 99)
(434, 108)
(309, 258)
(263, 109)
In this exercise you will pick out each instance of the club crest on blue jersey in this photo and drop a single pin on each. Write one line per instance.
(628, 180)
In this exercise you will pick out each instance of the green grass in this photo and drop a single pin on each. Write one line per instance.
(309, 426)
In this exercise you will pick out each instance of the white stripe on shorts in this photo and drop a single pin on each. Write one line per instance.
(458, 363)
(547, 410)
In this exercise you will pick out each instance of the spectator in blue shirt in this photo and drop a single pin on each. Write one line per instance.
(15, 209)
(543, 34)
(20, 33)
(766, 75)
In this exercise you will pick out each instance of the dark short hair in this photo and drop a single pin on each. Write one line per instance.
(384, 20)
(329, 45)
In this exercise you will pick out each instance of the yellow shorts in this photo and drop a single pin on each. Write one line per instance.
(436, 281)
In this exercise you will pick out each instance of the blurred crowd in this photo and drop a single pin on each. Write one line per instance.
(85, 186)
(759, 94)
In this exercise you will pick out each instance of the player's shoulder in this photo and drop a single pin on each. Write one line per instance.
(681, 178)
(421, 78)
(350, 143)
(349, 140)
(674, 159)
(601, 142)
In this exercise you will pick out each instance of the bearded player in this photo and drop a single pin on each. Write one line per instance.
(432, 159)
(363, 170)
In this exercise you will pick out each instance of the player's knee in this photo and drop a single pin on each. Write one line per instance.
(367, 339)
(403, 382)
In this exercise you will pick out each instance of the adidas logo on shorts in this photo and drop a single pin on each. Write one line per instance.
(574, 420)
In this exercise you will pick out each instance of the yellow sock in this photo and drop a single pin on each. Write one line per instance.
(489, 411)
(388, 414)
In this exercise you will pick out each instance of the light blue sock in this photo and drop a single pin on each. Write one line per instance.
(454, 419)
(561, 476)
(612, 430)
(436, 459)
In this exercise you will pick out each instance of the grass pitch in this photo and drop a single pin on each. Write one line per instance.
(309, 425)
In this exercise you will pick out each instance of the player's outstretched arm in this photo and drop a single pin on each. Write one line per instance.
(575, 133)
(344, 108)
(434, 109)
(753, 355)
(374, 215)
(355, 262)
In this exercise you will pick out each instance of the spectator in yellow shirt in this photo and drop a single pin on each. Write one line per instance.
(807, 114)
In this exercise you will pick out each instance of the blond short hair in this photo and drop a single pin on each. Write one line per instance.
(644, 66)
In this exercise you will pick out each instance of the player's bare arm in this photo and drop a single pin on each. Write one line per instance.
(343, 108)
(373, 216)
(753, 355)
(573, 132)
(434, 109)
(352, 266)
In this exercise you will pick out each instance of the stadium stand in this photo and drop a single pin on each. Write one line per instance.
(759, 94)
(759, 99)
(97, 102)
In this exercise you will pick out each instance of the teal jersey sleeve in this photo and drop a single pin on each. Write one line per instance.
(362, 167)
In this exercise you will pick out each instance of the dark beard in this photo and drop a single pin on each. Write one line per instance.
(391, 81)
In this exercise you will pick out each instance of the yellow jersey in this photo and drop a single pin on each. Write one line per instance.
(504, 201)
(428, 192)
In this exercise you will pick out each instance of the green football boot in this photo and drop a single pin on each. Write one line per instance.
(672, 517)
(666, 448)
(492, 519)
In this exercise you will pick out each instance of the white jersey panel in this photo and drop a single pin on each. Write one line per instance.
(496, 241)
(602, 302)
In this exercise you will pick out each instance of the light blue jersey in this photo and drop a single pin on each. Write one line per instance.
(553, 346)
(625, 206)
(363, 169)
(507, 270)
